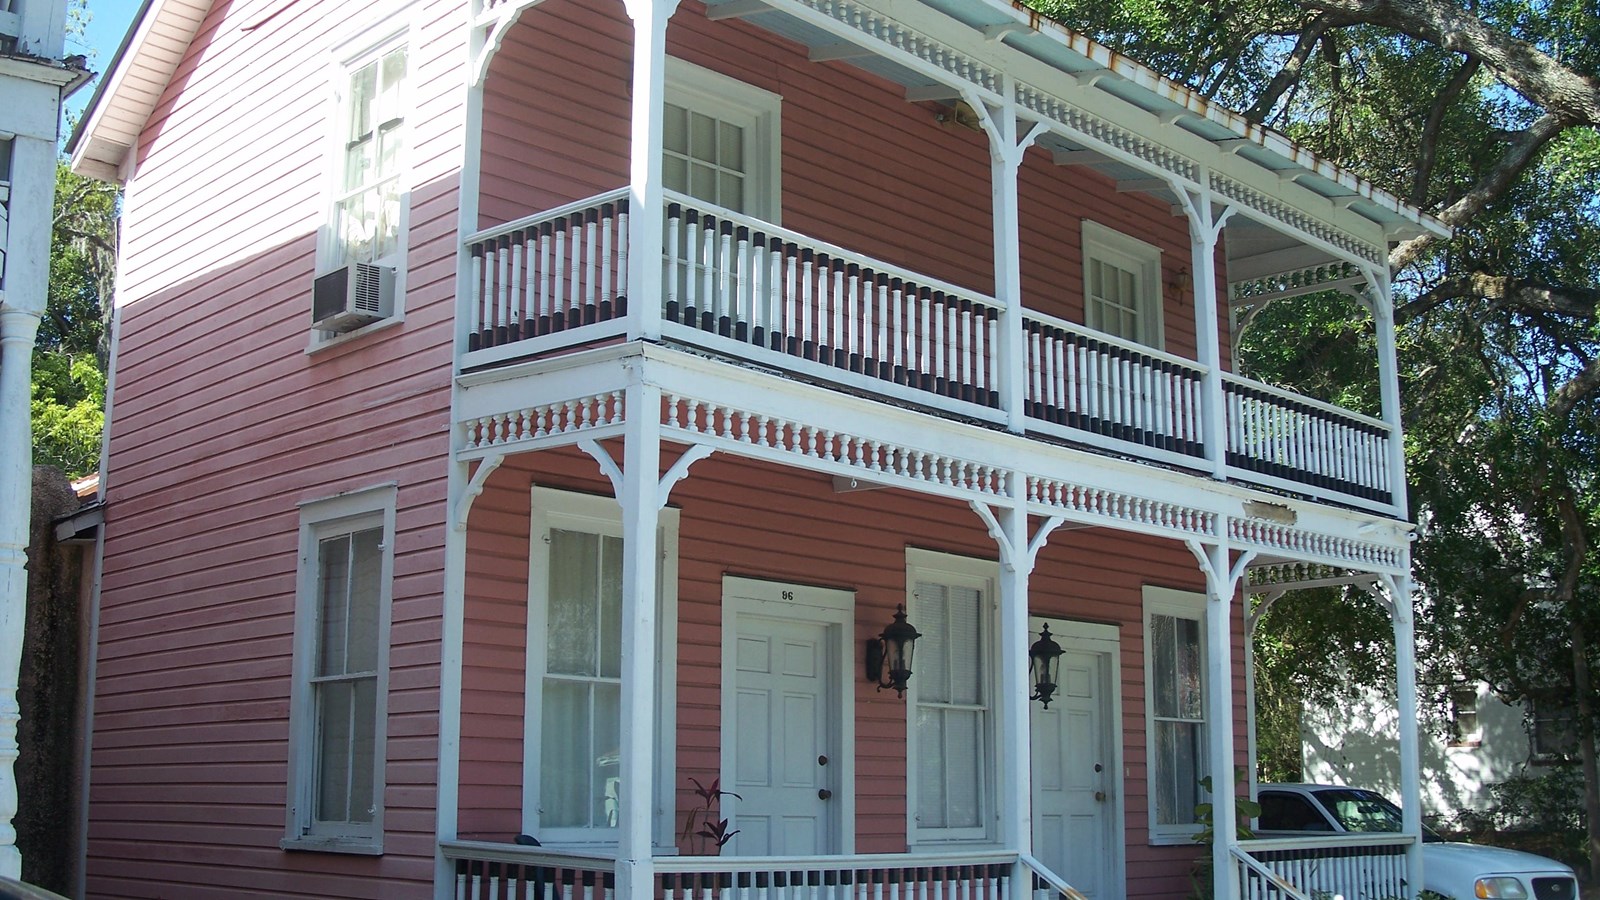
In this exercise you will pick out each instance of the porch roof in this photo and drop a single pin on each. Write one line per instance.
(163, 29)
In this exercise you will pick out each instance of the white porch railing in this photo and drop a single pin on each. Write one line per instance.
(488, 871)
(751, 290)
(1349, 866)
(777, 293)
(1047, 885)
(1305, 442)
(1085, 381)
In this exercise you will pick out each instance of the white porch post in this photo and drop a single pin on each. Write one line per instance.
(640, 497)
(1015, 763)
(24, 277)
(1381, 297)
(1405, 665)
(646, 190)
(1005, 158)
(1205, 228)
(1220, 583)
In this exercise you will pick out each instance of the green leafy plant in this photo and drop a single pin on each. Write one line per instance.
(1244, 810)
(703, 822)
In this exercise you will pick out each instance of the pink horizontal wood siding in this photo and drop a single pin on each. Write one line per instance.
(763, 521)
(861, 167)
(221, 424)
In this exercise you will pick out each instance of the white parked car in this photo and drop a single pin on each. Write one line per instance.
(1456, 870)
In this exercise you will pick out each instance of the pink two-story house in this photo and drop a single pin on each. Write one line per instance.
(527, 413)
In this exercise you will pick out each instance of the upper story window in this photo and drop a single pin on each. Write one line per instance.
(1175, 715)
(1553, 729)
(949, 699)
(338, 701)
(572, 770)
(720, 140)
(1464, 728)
(1121, 285)
(361, 260)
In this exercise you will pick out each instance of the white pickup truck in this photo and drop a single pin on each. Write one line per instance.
(1454, 870)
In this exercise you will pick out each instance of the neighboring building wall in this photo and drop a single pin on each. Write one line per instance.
(50, 734)
(223, 423)
(782, 524)
(861, 167)
(1357, 743)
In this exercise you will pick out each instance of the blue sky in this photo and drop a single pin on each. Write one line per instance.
(108, 22)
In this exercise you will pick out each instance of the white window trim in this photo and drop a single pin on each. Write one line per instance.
(699, 88)
(1183, 605)
(552, 508)
(354, 51)
(1128, 252)
(352, 511)
(982, 574)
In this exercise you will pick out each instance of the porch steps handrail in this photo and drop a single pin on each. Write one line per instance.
(1267, 884)
(1041, 872)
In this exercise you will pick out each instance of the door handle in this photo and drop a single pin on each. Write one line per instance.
(824, 793)
(1100, 796)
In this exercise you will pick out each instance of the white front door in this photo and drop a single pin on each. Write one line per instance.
(782, 720)
(1076, 767)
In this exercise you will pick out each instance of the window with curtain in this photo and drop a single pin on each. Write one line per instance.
(949, 705)
(1176, 724)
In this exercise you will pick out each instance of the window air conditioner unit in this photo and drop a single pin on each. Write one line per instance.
(352, 296)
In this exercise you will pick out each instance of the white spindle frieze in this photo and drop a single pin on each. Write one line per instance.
(1279, 211)
(526, 427)
(1104, 132)
(1298, 542)
(754, 433)
(1119, 508)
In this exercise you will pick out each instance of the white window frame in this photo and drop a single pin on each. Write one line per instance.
(1456, 694)
(359, 510)
(1183, 605)
(982, 574)
(758, 111)
(352, 53)
(553, 508)
(1131, 254)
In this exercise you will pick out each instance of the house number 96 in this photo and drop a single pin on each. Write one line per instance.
(788, 595)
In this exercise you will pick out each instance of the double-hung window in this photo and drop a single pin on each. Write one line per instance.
(1176, 715)
(340, 673)
(1121, 285)
(720, 140)
(366, 209)
(1464, 728)
(951, 728)
(572, 776)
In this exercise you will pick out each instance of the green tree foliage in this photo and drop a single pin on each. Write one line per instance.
(69, 357)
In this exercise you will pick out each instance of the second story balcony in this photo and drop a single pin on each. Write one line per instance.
(754, 293)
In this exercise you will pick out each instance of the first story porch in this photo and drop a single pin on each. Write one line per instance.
(702, 632)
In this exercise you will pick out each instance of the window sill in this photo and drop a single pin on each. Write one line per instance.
(349, 845)
(338, 340)
(1173, 839)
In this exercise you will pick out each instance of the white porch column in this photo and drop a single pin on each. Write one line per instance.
(1221, 582)
(640, 497)
(1205, 228)
(1015, 762)
(646, 190)
(1381, 298)
(1005, 158)
(1405, 666)
(24, 278)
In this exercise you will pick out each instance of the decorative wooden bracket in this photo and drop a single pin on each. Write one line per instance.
(678, 471)
(1008, 554)
(475, 487)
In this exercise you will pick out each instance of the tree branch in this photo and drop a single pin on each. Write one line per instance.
(1511, 164)
(1505, 292)
(1289, 74)
(1569, 395)
(1520, 65)
(1428, 149)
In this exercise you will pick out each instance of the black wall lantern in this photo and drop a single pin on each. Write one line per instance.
(1043, 658)
(889, 654)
